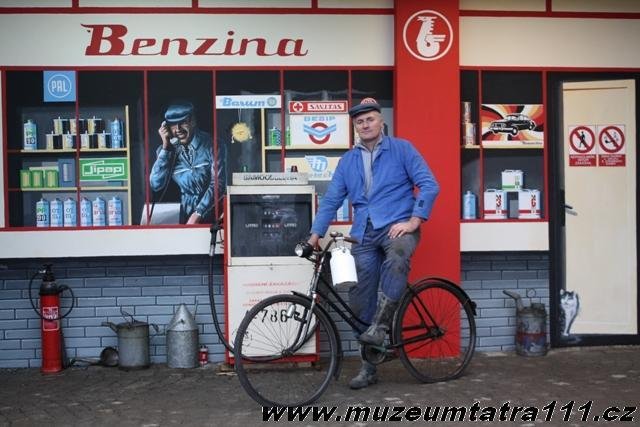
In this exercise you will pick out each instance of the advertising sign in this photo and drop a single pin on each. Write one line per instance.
(319, 124)
(59, 86)
(512, 124)
(107, 169)
(247, 101)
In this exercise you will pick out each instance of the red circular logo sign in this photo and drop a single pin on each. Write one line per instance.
(427, 35)
(322, 126)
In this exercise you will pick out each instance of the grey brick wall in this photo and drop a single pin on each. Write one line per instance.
(484, 277)
(151, 288)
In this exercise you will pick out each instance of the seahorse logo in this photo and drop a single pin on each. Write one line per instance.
(434, 36)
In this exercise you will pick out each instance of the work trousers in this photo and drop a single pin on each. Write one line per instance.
(381, 263)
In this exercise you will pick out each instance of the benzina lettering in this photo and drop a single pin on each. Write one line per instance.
(108, 40)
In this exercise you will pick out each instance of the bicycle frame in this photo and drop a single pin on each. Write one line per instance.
(341, 307)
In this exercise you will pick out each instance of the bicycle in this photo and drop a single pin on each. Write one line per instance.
(288, 348)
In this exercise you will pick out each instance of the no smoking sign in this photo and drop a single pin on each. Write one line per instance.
(611, 148)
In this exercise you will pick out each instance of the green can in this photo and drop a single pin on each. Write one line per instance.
(51, 178)
(25, 178)
(37, 178)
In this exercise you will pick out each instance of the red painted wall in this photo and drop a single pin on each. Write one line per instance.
(427, 109)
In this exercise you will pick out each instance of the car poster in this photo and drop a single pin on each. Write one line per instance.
(512, 125)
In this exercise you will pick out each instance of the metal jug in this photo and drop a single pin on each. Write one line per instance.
(182, 339)
(133, 342)
(531, 329)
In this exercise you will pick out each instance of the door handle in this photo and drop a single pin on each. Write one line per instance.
(569, 209)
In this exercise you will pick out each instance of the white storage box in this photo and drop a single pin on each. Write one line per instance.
(528, 204)
(512, 179)
(495, 204)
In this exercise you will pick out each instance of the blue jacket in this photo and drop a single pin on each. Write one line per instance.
(397, 169)
(193, 177)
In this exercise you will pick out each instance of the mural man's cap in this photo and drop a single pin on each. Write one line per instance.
(178, 112)
(366, 105)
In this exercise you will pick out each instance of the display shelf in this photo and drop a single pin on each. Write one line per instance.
(491, 145)
(505, 235)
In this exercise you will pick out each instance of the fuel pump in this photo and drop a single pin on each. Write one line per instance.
(50, 325)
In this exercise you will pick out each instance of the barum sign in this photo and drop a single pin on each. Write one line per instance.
(114, 40)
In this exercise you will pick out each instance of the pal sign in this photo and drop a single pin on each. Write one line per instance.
(59, 86)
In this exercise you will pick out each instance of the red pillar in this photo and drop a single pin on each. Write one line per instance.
(427, 112)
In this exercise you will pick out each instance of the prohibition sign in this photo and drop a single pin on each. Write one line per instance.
(582, 139)
(611, 139)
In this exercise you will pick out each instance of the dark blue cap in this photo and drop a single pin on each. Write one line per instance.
(177, 113)
(366, 105)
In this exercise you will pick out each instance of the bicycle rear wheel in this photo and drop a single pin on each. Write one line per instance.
(288, 354)
(436, 328)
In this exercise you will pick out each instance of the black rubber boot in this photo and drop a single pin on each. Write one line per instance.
(375, 334)
(366, 376)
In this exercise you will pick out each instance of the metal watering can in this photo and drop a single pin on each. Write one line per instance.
(133, 342)
(531, 329)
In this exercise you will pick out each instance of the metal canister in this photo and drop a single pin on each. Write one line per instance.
(182, 340)
(531, 329)
(469, 206)
(42, 213)
(25, 178)
(98, 209)
(37, 178)
(51, 178)
(77, 126)
(84, 140)
(94, 125)
(61, 126)
(30, 136)
(203, 355)
(49, 140)
(103, 140)
(56, 216)
(69, 141)
(117, 140)
(115, 211)
(70, 215)
(86, 215)
(275, 137)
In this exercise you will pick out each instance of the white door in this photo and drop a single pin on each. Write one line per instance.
(600, 193)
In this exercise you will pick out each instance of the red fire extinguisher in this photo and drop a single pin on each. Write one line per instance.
(49, 313)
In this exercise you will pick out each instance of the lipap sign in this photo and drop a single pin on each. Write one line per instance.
(111, 169)
(319, 124)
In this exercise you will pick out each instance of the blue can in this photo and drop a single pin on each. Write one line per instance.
(30, 136)
(56, 215)
(469, 206)
(86, 215)
(42, 213)
(99, 212)
(70, 215)
(116, 134)
(115, 211)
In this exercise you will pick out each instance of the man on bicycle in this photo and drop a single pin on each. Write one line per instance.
(378, 176)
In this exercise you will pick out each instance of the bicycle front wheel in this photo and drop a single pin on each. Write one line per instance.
(285, 353)
(435, 330)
